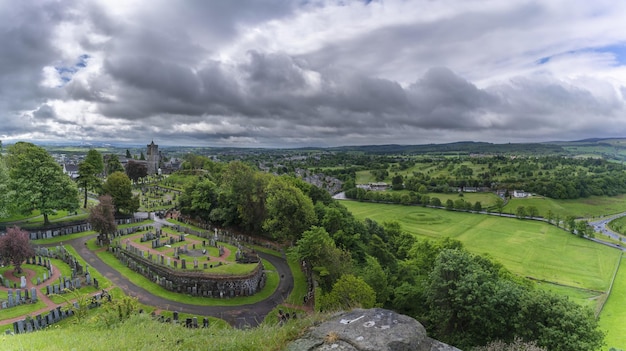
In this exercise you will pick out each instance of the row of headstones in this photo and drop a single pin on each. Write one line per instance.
(66, 284)
(189, 322)
(156, 243)
(16, 298)
(245, 288)
(41, 321)
(7, 283)
(50, 233)
(63, 255)
(131, 230)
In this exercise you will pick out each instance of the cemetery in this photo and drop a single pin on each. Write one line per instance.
(198, 264)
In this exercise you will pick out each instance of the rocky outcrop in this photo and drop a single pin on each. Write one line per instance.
(369, 330)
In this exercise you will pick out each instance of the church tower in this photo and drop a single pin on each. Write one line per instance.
(153, 158)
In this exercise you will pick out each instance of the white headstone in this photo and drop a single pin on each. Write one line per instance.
(23, 282)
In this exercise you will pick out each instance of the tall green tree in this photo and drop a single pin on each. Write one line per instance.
(38, 181)
(289, 211)
(94, 157)
(318, 250)
(89, 171)
(118, 185)
(113, 165)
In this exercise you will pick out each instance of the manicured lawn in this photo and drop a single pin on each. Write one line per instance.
(485, 199)
(527, 248)
(594, 206)
(613, 316)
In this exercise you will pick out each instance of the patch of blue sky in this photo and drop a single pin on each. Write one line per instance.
(618, 51)
(67, 72)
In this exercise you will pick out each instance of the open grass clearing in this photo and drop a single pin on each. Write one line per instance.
(591, 207)
(614, 314)
(527, 248)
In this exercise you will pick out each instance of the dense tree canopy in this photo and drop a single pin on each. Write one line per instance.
(113, 165)
(463, 299)
(118, 185)
(38, 181)
(5, 189)
(136, 170)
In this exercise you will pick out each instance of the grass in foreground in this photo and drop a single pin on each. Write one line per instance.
(140, 332)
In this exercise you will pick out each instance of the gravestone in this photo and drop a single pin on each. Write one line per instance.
(5, 305)
(95, 283)
(10, 298)
(20, 326)
(175, 316)
(45, 277)
(22, 282)
(18, 300)
(205, 322)
(38, 281)
(195, 322)
(183, 264)
(48, 290)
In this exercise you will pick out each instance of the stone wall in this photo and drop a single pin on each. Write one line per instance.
(193, 282)
(52, 231)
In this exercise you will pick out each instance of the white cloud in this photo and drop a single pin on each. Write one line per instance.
(283, 73)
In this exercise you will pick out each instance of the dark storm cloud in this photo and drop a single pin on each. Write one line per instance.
(286, 73)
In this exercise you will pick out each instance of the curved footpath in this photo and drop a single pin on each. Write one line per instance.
(242, 316)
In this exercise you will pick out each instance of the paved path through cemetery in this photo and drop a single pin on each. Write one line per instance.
(50, 305)
(239, 316)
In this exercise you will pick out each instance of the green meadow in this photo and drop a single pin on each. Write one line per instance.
(593, 206)
(528, 248)
(614, 314)
(558, 260)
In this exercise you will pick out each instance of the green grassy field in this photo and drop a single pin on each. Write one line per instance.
(614, 314)
(594, 206)
(527, 248)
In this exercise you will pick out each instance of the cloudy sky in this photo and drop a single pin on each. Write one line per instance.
(284, 73)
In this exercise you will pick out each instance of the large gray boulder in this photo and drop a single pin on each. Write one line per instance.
(369, 330)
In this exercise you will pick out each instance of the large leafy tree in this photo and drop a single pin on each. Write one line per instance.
(102, 219)
(289, 211)
(38, 181)
(348, 292)
(118, 185)
(242, 196)
(113, 165)
(136, 170)
(15, 247)
(318, 250)
(473, 301)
